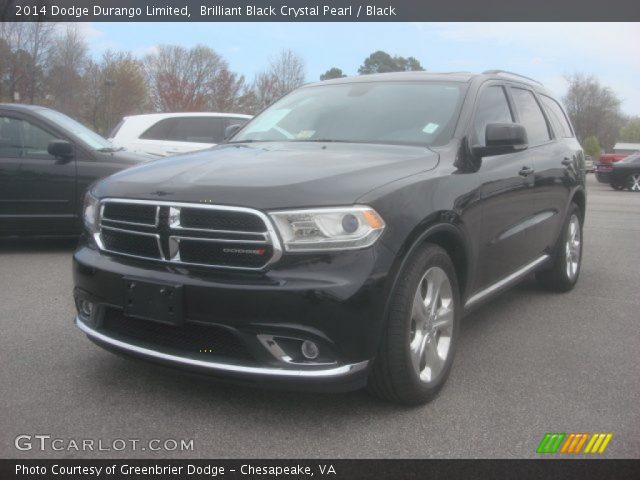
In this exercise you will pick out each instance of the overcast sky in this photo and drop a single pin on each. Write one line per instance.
(545, 51)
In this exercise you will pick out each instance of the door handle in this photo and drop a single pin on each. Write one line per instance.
(566, 161)
(526, 171)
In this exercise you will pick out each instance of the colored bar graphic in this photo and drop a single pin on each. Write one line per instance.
(573, 443)
(550, 442)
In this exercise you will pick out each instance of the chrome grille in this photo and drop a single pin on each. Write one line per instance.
(189, 234)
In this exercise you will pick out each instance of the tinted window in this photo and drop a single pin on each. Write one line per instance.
(187, 129)
(10, 137)
(19, 138)
(557, 117)
(531, 117)
(412, 113)
(493, 107)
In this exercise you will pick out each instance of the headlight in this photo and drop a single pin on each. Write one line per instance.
(90, 212)
(328, 228)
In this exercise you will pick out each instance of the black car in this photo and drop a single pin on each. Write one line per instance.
(338, 238)
(626, 173)
(47, 161)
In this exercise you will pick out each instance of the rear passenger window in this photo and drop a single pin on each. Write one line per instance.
(187, 129)
(493, 107)
(557, 117)
(531, 117)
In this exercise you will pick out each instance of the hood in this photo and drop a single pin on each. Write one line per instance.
(271, 175)
(124, 157)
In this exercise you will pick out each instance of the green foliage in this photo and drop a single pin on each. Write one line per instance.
(382, 62)
(591, 146)
(332, 73)
(631, 131)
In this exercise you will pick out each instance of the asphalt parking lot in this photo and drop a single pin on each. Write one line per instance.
(528, 363)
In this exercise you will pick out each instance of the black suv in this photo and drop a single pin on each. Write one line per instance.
(337, 239)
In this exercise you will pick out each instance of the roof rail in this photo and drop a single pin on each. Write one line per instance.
(506, 72)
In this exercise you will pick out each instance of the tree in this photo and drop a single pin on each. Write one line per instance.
(382, 62)
(285, 73)
(5, 63)
(66, 64)
(594, 110)
(332, 73)
(591, 146)
(179, 79)
(114, 88)
(28, 43)
(631, 131)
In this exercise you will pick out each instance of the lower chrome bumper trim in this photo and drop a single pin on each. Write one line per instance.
(334, 372)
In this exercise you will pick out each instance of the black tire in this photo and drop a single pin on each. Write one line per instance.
(393, 376)
(556, 278)
(617, 186)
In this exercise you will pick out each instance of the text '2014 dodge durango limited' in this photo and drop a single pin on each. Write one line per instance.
(338, 238)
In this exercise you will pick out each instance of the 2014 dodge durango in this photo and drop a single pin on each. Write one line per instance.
(338, 238)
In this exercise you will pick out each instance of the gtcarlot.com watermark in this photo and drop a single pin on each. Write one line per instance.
(49, 443)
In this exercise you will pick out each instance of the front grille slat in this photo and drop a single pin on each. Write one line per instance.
(220, 220)
(120, 241)
(223, 253)
(130, 213)
(189, 234)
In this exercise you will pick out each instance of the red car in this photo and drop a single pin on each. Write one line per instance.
(605, 163)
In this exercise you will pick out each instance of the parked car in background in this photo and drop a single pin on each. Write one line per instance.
(604, 165)
(47, 161)
(166, 134)
(339, 237)
(588, 163)
(626, 173)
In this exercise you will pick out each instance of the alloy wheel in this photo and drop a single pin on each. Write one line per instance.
(634, 182)
(572, 247)
(431, 324)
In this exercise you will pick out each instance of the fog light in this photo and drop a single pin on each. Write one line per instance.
(309, 350)
(86, 308)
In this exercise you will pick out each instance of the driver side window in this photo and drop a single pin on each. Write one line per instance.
(493, 107)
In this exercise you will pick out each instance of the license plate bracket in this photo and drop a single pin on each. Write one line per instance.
(158, 302)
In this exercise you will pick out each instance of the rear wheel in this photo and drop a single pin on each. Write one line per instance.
(633, 182)
(564, 272)
(418, 345)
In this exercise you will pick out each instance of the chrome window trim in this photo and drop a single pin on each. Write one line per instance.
(332, 372)
(270, 236)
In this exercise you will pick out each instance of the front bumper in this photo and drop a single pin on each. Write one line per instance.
(336, 301)
(338, 378)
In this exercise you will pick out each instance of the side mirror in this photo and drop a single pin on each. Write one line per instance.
(231, 130)
(60, 149)
(502, 138)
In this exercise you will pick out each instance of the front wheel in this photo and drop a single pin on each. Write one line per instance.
(633, 182)
(418, 344)
(563, 274)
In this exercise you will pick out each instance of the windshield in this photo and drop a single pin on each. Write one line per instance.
(92, 139)
(409, 113)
